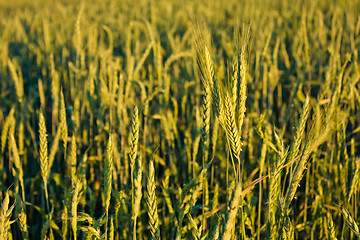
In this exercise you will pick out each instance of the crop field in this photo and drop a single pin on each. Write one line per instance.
(193, 119)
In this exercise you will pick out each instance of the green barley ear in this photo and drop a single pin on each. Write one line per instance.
(43, 148)
(301, 164)
(44, 159)
(275, 192)
(152, 203)
(5, 215)
(204, 65)
(205, 130)
(134, 139)
(356, 180)
(47, 39)
(287, 229)
(78, 37)
(243, 79)
(166, 192)
(190, 194)
(21, 136)
(350, 222)
(64, 218)
(41, 94)
(108, 180)
(228, 121)
(121, 209)
(23, 223)
(54, 148)
(5, 129)
(235, 79)
(18, 164)
(74, 203)
(331, 228)
(63, 124)
(195, 230)
(55, 88)
(300, 130)
(18, 80)
(47, 228)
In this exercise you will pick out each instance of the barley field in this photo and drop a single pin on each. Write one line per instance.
(179, 119)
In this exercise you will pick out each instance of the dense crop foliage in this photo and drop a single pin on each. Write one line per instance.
(179, 119)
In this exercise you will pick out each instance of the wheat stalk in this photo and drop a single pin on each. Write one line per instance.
(231, 215)
(112, 229)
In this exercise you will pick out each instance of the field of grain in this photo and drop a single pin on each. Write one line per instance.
(179, 119)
